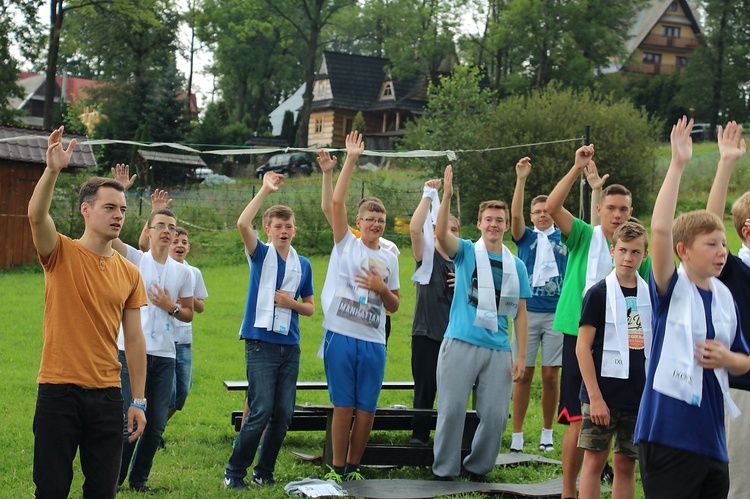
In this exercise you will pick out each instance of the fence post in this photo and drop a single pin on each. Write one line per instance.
(362, 193)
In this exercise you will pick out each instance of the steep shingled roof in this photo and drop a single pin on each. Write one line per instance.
(355, 80)
(35, 150)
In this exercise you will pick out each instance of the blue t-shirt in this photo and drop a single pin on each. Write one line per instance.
(464, 306)
(543, 298)
(247, 330)
(668, 421)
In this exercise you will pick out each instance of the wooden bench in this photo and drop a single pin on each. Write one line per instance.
(319, 417)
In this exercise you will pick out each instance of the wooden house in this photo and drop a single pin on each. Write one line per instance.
(22, 163)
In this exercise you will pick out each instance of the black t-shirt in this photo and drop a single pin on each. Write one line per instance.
(623, 394)
(736, 276)
(433, 304)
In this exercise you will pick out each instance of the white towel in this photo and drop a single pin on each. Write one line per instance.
(616, 350)
(487, 310)
(599, 263)
(276, 319)
(545, 265)
(678, 374)
(744, 255)
(424, 272)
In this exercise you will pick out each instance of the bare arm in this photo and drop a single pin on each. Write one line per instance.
(272, 182)
(662, 264)
(713, 354)
(517, 221)
(731, 148)
(448, 241)
(135, 355)
(416, 224)
(562, 217)
(43, 229)
(599, 409)
(199, 305)
(354, 149)
(596, 183)
(521, 329)
(327, 163)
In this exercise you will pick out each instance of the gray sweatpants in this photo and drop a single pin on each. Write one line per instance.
(460, 365)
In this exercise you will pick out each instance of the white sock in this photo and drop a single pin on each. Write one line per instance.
(517, 442)
(546, 437)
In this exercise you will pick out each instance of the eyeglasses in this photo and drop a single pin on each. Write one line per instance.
(539, 212)
(161, 226)
(369, 220)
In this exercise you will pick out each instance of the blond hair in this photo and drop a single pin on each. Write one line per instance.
(629, 231)
(688, 226)
(741, 212)
(277, 211)
(493, 204)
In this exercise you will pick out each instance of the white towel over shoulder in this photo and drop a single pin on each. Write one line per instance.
(599, 263)
(487, 310)
(276, 319)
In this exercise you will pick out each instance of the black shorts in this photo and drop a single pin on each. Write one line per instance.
(569, 409)
(667, 472)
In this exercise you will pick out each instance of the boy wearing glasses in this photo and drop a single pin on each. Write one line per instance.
(169, 287)
(545, 258)
(366, 285)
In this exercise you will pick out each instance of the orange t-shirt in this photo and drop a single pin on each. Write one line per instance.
(84, 298)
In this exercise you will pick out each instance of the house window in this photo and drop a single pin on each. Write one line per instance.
(318, 125)
(672, 7)
(386, 93)
(651, 58)
(348, 126)
(670, 31)
(322, 90)
(681, 62)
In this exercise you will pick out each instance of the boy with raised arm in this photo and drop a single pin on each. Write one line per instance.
(434, 278)
(491, 286)
(697, 341)
(545, 258)
(89, 291)
(589, 261)
(279, 278)
(366, 285)
(169, 288)
(615, 317)
(736, 276)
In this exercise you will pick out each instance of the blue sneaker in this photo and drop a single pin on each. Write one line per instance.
(234, 483)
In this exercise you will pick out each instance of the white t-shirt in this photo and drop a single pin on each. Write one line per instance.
(354, 312)
(158, 326)
(184, 330)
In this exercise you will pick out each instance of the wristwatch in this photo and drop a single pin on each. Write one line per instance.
(176, 311)
(140, 402)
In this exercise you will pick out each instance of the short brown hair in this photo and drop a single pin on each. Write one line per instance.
(741, 212)
(89, 190)
(277, 211)
(615, 189)
(628, 231)
(493, 204)
(180, 231)
(160, 212)
(370, 203)
(541, 198)
(690, 225)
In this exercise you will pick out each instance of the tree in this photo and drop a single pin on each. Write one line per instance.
(288, 130)
(460, 115)
(718, 72)
(359, 123)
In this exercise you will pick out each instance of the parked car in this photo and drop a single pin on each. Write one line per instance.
(287, 164)
(700, 132)
(203, 173)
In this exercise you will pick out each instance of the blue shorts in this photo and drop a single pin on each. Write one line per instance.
(354, 370)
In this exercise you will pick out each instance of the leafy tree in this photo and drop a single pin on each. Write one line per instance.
(359, 123)
(460, 115)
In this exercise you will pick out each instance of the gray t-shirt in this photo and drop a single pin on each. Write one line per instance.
(434, 299)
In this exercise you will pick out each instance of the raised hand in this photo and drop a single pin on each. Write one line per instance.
(434, 183)
(121, 173)
(731, 144)
(160, 200)
(273, 181)
(326, 162)
(592, 176)
(57, 157)
(355, 145)
(682, 143)
(523, 168)
(448, 182)
(583, 157)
